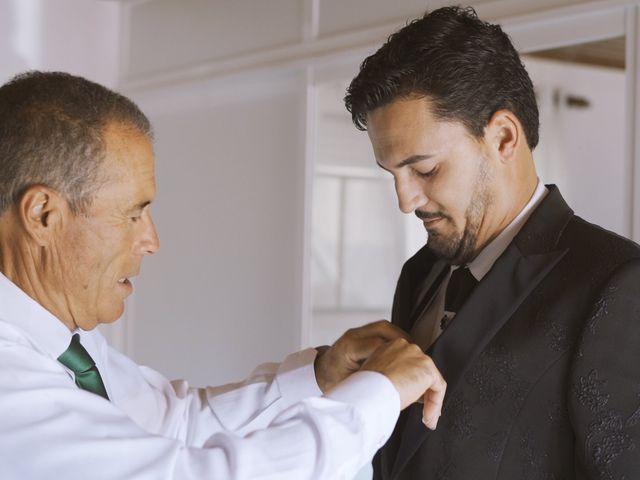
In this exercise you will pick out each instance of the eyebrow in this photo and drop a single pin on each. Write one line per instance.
(141, 205)
(409, 161)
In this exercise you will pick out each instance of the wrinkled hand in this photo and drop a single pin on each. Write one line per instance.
(347, 355)
(414, 375)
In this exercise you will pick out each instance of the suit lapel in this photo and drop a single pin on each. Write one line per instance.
(523, 265)
(428, 291)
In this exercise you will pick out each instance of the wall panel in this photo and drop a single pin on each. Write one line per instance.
(166, 34)
(223, 293)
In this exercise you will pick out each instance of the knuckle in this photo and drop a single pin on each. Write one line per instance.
(429, 361)
(399, 341)
(428, 365)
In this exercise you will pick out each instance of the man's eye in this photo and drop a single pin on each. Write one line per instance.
(430, 173)
(135, 218)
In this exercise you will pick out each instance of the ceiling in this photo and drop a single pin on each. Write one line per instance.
(604, 53)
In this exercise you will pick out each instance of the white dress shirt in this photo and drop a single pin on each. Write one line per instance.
(274, 425)
(427, 328)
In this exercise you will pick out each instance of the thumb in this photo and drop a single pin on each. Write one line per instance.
(433, 399)
(430, 410)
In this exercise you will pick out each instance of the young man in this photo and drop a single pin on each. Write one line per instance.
(531, 314)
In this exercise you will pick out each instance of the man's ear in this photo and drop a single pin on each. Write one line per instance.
(504, 134)
(42, 210)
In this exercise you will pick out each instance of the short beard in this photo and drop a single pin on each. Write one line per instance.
(461, 248)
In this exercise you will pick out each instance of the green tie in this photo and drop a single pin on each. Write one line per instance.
(76, 359)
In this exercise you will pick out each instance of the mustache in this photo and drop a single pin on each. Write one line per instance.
(430, 215)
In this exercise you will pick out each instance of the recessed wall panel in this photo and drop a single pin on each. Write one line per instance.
(222, 295)
(166, 34)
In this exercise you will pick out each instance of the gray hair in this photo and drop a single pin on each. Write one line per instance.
(51, 133)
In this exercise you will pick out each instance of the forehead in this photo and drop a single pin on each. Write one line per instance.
(128, 169)
(408, 127)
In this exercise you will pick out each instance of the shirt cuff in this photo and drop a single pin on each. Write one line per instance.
(296, 376)
(377, 401)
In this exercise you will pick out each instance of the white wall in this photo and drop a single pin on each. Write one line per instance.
(168, 34)
(77, 36)
(223, 293)
(579, 150)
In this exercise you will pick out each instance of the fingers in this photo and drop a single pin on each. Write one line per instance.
(353, 349)
(383, 347)
(363, 341)
(433, 399)
(362, 349)
(383, 329)
(412, 373)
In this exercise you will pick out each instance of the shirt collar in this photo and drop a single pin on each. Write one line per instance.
(481, 265)
(44, 330)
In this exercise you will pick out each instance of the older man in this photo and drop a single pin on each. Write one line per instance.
(531, 313)
(76, 182)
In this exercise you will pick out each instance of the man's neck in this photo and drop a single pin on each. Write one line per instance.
(20, 267)
(515, 201)
(485, 259)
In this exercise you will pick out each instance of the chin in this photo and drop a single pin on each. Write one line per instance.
(443, 247)
(112, 316)
(109, 320)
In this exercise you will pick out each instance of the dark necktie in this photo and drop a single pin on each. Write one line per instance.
(460, 286)
(76, 359)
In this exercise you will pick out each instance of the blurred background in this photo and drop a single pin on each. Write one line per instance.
(278, 230)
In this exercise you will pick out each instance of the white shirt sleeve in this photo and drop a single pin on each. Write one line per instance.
(270, 426)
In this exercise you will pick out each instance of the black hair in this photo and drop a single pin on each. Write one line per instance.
(467, 68)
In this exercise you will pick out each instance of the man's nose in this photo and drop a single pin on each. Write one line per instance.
(150, 242)
(411, 195)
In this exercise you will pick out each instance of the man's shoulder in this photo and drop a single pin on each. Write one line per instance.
(11, 335)
(594, 242)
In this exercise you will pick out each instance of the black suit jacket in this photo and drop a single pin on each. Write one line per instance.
(542, 361)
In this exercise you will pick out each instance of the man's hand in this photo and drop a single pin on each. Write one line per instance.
(414, 375)
(347, 355)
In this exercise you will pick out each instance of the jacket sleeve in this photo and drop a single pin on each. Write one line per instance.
(604, 396)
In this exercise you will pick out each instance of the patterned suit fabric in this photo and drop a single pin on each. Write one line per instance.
(541, 361)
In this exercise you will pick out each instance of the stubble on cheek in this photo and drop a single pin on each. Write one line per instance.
(460, 247)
